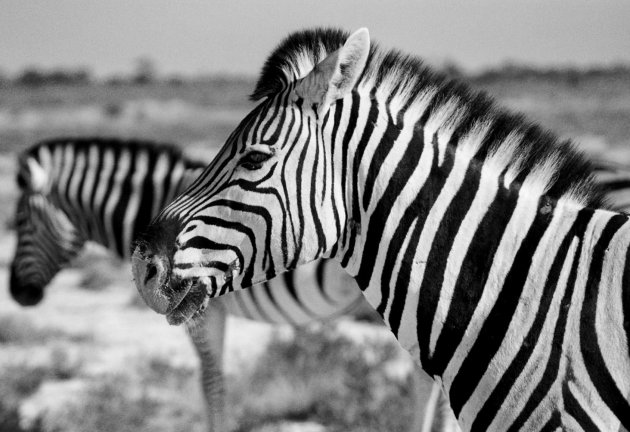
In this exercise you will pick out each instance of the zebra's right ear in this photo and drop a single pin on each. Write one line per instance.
(32, 176)
(334, 77)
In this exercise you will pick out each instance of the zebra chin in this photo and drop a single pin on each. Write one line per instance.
(179, 298)
(198, 292)
(192, 305)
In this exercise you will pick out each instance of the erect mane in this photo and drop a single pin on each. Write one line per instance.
(296, 55)
(407, 81)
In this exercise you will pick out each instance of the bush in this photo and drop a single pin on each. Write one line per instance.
(325, 377)
(33, 77)
(19, 381)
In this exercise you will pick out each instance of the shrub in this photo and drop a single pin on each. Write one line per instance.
(326, 377)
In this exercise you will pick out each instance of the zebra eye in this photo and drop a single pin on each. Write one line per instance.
(253, 160)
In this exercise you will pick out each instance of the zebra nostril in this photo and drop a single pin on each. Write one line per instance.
(151, 272)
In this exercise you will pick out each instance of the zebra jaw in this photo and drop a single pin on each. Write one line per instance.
(198, 294)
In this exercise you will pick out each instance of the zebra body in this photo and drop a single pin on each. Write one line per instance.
(107, 190)
(478, 237)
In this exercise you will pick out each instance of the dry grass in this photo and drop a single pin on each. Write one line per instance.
(16, 329)
(19, 381)
(325, 377)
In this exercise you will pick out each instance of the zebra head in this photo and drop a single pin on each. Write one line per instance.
(46, 237)
(271, 199)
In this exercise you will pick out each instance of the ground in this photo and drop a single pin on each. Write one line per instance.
(92, 357)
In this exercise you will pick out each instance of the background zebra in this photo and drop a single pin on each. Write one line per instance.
(435, 201)
(75, 190)
(613, 180)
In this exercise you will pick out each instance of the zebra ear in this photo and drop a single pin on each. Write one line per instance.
(36, 177)
(336, 75)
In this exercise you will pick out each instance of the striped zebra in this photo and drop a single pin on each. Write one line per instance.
(613, 180)
(479, 237)
(106, 191)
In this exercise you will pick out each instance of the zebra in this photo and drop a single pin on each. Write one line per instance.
(613, 179)
(106, 190)
(436, 201)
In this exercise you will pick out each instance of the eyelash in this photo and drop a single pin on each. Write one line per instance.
(254, 160)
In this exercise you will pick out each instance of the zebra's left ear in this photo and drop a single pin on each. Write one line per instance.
(336, 75)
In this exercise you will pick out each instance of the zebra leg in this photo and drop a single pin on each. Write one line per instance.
(207, 336)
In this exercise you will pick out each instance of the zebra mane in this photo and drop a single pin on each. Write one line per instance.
(408, 82)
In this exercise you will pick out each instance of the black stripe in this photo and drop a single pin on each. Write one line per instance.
(290, 261)
(333, 142)
(84, 152)
(314, 211)
(366, 134)
(199, 242)
(273, 139)
(108, 189)
(263, 114)
(287, 212)
(299, 195)
(319, 277)
(288, 282)
(118, 216)
(143, 215)
(345, 144)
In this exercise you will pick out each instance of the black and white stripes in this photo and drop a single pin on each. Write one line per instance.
(478, 236)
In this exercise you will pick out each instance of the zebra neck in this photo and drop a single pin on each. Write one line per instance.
(426, 219)
(475, 273)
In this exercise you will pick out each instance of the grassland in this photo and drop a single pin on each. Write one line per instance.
(90, 358)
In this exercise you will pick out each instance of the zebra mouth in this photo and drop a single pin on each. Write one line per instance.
(192, 305)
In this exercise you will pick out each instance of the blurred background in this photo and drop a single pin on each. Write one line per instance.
(91, 357)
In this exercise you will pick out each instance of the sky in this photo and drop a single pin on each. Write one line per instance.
(235, 36)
